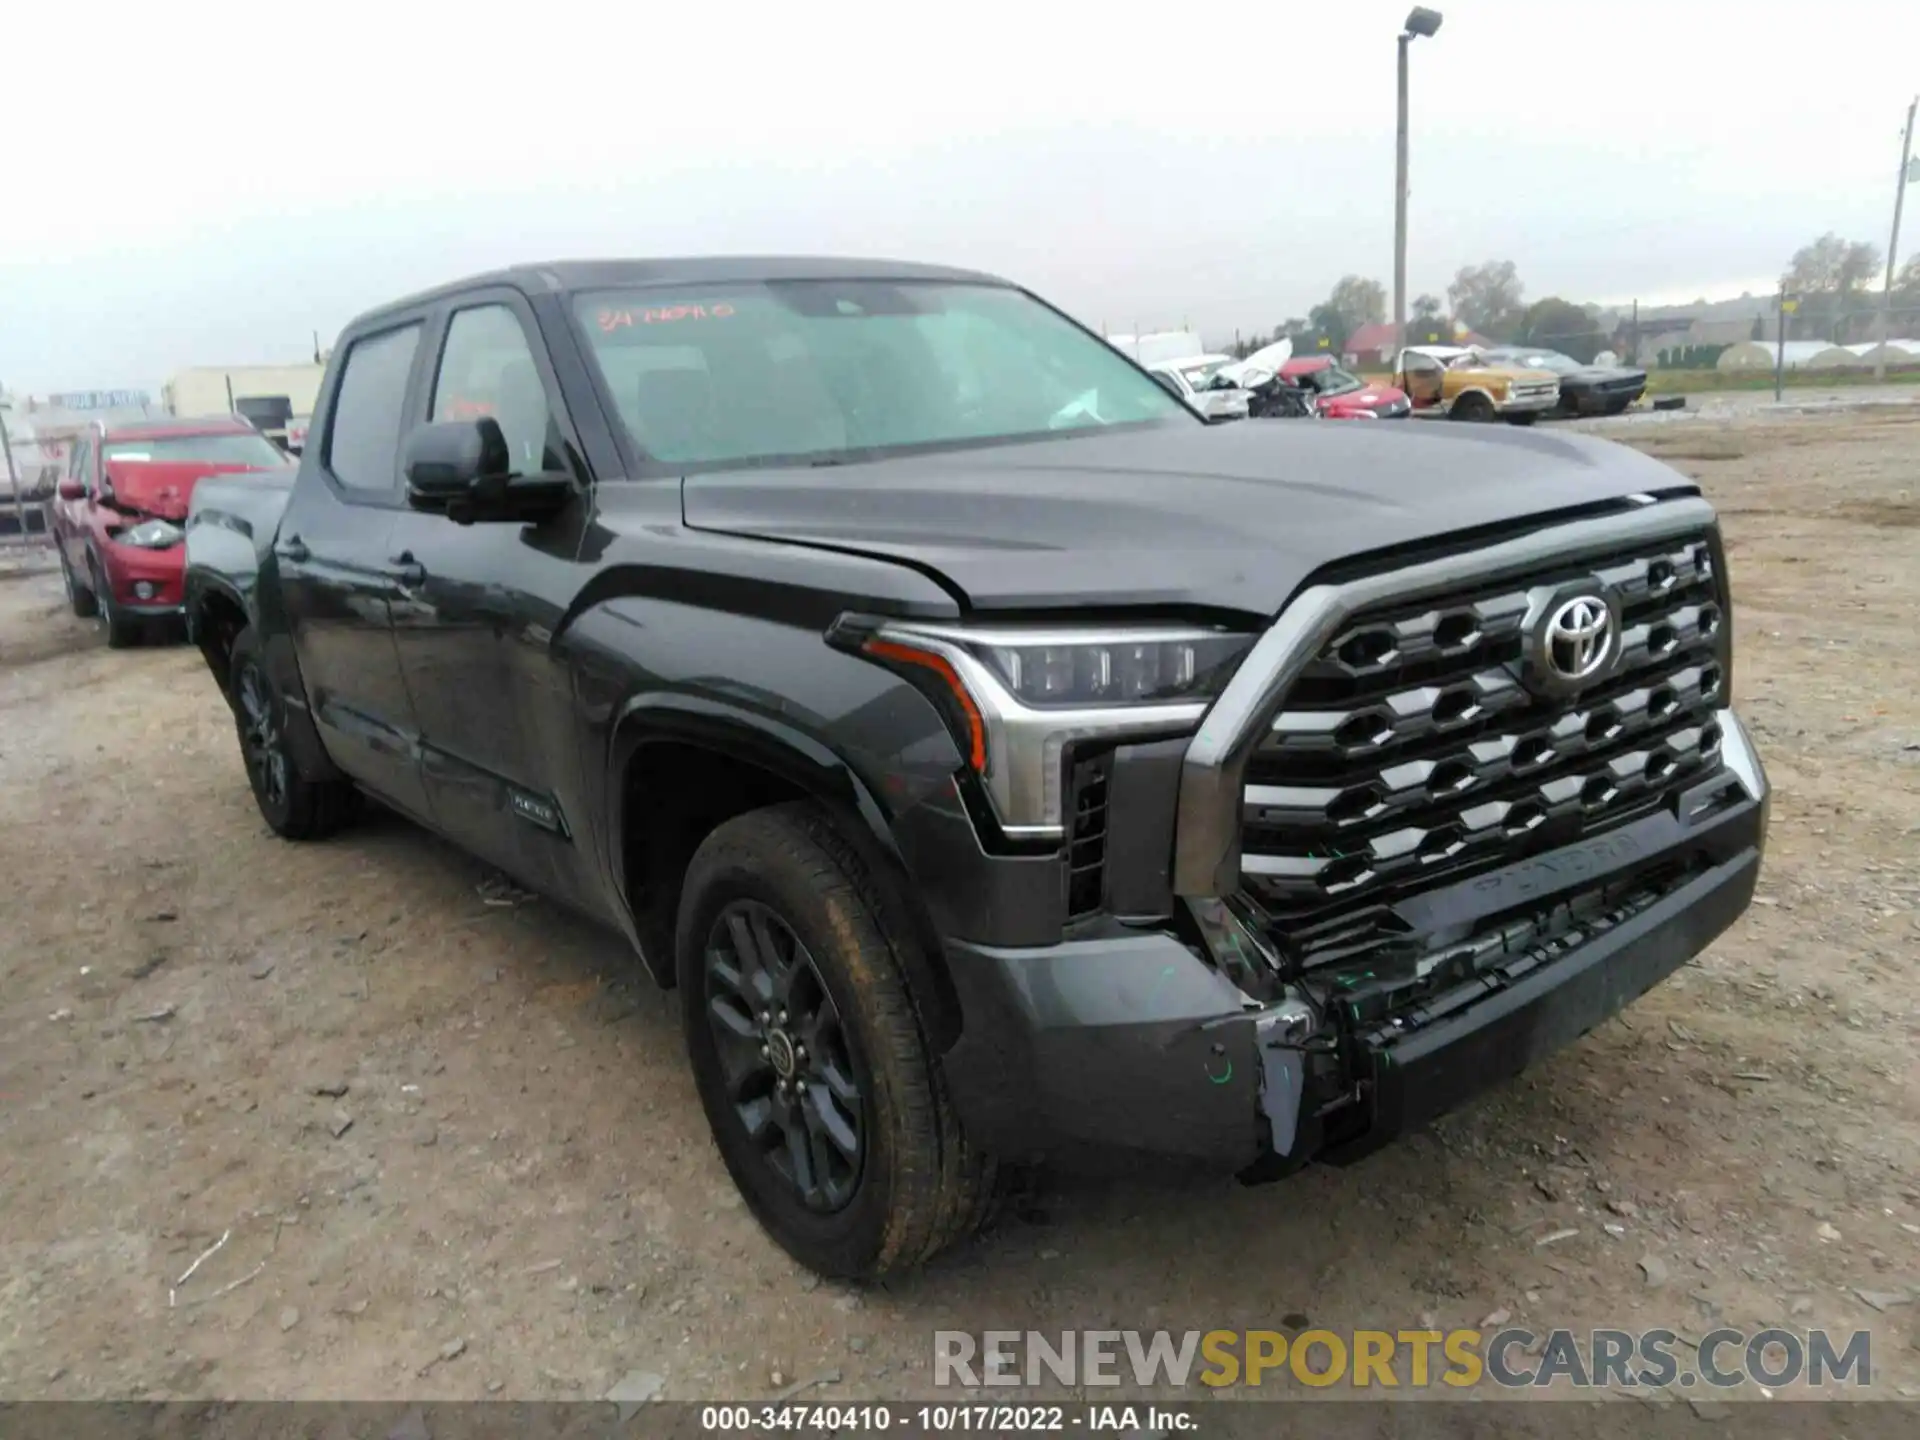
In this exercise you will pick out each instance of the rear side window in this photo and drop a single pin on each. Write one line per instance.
(363, 435)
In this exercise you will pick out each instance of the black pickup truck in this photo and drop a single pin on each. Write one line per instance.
(1001, 761)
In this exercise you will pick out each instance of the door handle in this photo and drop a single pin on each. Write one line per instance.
(293, 548)
(407, 570)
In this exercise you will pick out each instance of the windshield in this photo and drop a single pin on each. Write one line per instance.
(829, 370)
(1541, 360)
(223, 449)
(1329, 380)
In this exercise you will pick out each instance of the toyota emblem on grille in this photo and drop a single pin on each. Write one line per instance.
(1579, 639)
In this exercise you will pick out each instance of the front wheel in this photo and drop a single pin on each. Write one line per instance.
(1474, 409)
(122, 629)
(295, 807)
(827, 1107)
(80, 600)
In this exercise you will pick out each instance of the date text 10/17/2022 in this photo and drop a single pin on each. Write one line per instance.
(947, 1419)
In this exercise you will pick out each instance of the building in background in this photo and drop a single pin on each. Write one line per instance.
(41, 428)
(275, 399)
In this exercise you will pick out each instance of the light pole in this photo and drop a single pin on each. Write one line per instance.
(1420, 21)
(1893, 246)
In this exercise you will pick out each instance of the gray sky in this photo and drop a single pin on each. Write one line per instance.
(1213, 163)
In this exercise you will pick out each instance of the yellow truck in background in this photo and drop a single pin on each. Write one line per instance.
(1465, 383)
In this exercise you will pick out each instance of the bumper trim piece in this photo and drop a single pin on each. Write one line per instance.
(1207, 838)
(1130, 1041)
(1417, 1078)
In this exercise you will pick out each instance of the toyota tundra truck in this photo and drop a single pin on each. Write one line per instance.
(1000, 761)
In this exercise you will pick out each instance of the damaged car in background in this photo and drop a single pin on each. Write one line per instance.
(120, 508)
(1206, 383)
(1466, 383)
(1339, 394)
(1584, 389)
(1000, 762)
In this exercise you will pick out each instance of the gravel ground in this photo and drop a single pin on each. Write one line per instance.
(418, 1139)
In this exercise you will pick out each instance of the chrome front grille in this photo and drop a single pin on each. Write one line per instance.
(1411, 745)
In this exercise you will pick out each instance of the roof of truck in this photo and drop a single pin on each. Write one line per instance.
(562, 276)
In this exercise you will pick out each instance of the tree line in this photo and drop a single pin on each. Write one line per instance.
(1835, 284)
(1836, 287)
(1486, 300)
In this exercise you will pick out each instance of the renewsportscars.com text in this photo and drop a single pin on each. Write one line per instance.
(1414, 1359)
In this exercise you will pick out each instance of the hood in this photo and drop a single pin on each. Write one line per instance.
(1229, 517)
(1601, 374)
(1266, 360)
(1519, 372)
(163, 487)
(1367, 397)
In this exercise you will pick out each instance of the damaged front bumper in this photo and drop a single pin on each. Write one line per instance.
(1199, 1045)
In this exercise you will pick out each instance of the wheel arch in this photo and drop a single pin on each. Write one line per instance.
(721, 760)
(216, 614)
(276, 658)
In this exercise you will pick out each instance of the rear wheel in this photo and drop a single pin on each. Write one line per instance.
(828, 1109)
(122, 629)
(79, 599)
(296, 808)
(1474, 408)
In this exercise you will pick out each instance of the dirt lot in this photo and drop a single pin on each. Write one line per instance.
(418, 1118)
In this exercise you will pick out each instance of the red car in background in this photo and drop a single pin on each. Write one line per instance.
(1341, 395)
(120, 511)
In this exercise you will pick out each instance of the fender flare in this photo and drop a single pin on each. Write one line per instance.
(736, 731)
(198, 586)
(816, 769)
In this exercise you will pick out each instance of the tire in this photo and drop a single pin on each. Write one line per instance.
(123, 630)
(81, 600)
(785, 882)
(1475, 409)
(294, 807)
(1526, 417)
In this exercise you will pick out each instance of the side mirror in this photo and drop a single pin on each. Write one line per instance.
(71, 489)
(446, 458)
(464, 470)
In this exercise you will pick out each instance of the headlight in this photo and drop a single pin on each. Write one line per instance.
(1112, 668)
(152, 535)
(1016, 698)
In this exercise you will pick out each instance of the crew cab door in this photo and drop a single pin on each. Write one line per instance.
(336, 579)
(480, 604)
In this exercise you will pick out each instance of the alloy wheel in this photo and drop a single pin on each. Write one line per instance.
(260, 738)
(785, 1055)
